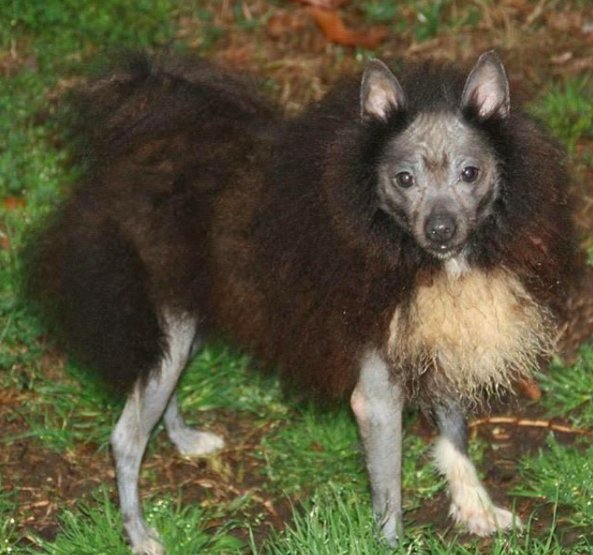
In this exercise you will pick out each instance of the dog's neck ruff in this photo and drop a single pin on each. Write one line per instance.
(469, 332)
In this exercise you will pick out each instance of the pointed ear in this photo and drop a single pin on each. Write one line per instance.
(486, 90)
(380, 92)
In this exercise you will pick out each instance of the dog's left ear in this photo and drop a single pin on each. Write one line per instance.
(380, 92)
(486, 90)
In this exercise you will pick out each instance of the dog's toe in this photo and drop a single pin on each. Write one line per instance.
(150, 546)
(505, 520)
(193, 443)
(392, 529)
(484, 520)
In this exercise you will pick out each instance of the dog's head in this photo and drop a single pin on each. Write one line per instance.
(438, 176)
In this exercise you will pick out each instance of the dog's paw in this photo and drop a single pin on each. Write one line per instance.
(149, 546)
(391, 529)
(193, 443)
(484, 519)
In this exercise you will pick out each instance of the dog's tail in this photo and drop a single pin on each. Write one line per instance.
(89, 288)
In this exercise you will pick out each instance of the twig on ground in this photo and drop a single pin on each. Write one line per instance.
(528, 422)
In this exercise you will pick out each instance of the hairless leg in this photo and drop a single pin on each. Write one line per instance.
(377, 402)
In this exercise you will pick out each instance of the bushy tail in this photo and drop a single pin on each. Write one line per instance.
(90, 289)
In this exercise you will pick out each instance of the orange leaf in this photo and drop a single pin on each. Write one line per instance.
(529, 389)
(12, 203)
(335, 30)
(285, 22)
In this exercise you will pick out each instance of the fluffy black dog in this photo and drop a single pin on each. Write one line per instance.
(399, 241)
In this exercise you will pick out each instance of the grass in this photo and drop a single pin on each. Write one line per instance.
(8, 526)
(324, 441)
(72, 411)
(568, 111)
(334, 517)
(568, 391)
(221, 379)
(335, 521)
(308, 456)
(78, 28)
(94, 529)
(562, 475)
(379, 12)
(429, 17)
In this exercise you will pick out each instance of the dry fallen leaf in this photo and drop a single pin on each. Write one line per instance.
(12, 203)
(529, 389)
(283, 22)
(565, 21)
(560, 59)
(333, 27)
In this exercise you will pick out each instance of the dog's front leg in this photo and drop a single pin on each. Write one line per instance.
(377, 402)
(470, 503)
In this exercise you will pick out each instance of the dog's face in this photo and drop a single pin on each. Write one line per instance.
(437, 178)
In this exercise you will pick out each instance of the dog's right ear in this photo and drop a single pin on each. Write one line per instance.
(380, 92)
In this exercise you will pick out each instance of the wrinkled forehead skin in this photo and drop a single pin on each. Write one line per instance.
(435, 148)
(437, 141)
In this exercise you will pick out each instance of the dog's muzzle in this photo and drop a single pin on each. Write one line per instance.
(440, 230)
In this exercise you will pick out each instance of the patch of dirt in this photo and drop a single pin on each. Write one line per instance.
(45, 482)
(236, 472)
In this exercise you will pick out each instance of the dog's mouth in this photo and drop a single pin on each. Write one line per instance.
(442, 236)
(444, 252)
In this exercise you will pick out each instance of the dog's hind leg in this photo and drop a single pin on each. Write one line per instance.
(189, 442)
(377, 402)
(144, 407)
(470, 503)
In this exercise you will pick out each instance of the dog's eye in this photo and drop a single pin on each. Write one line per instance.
(404, 179)
(469, 174)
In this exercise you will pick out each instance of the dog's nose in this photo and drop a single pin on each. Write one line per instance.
(440, 228)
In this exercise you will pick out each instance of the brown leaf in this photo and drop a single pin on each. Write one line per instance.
(561, 59)
(13, 203)
(317, 447)
(4, 242)
(283, 22)
(237, 56)
(565, 21)
(333, 27)
(529, 389)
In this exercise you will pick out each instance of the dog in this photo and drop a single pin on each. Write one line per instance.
(401, 240)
